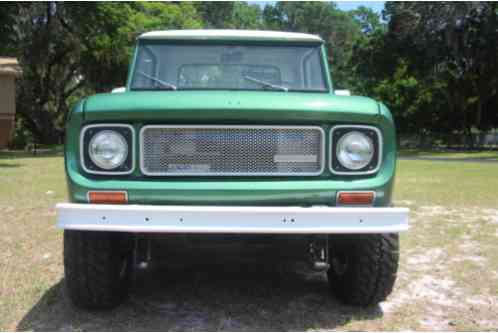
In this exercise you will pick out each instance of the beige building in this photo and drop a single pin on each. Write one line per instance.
(9, 70)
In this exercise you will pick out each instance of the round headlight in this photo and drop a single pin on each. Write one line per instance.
(355, 150)
(108, 149)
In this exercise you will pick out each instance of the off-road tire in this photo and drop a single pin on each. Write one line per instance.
(363, 267)
(97, 267)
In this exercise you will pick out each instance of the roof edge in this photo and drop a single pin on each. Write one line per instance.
(234, 35)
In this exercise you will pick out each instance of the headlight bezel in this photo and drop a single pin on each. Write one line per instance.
(337, 132)
(87, 134)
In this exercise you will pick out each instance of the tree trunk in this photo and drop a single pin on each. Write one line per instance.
(469, 139)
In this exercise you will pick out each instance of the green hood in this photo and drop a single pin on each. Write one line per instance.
(231, 106)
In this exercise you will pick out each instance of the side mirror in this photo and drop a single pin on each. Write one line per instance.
(342, 92)
(118, 90)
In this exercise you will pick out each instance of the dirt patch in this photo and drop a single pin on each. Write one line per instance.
(471, 246)
(477, 260)
(427, 289)
(404, 203)
(468, 215)
(492, 215)
(6, 209)
(421, 260)
(50, 212)
(433, 211)
(436, 290)
(491, 301)
(435, 320)
(433, 280)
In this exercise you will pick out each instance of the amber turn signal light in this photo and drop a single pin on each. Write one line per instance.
(355, 198)
(107, 197)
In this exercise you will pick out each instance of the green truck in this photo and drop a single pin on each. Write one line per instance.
(230, 132)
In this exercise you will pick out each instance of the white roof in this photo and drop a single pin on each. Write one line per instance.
(257, 35)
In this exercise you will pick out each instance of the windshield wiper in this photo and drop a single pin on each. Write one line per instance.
(266, 84)
(155, 79)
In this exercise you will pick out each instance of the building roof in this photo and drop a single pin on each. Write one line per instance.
(9, 66)
(234, 35)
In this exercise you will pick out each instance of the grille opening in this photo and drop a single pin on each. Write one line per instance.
(231, 150)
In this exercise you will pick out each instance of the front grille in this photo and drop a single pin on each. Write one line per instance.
(231, 150)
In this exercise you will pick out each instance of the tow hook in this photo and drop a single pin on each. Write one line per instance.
(319, 253)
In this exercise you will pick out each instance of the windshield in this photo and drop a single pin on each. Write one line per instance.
(233, 67)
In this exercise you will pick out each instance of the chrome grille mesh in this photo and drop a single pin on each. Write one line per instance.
(231, 150)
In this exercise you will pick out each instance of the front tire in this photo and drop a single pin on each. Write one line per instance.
(363, 267)
(97, 267)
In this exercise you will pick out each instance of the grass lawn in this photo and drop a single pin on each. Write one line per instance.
(491, 155)
(448, 277)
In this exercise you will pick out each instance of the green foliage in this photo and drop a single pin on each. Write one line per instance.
(21, 136)
(7, 13)
(215, 15)
(246, 17)
(69, 50)
(339, 29)
(368, 20)
(110, 32)
(434, 64)
(230, 15)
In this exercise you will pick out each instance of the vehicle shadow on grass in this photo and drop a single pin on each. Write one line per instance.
(225, 293)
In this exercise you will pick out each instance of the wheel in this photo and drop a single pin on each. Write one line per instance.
(363, 267)
(97, 267)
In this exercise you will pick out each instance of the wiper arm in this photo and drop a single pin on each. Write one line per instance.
(155, 79)
(266, 84)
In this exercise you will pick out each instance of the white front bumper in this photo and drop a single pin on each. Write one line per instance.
(227, 219)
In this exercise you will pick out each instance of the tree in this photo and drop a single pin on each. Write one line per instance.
(368, 19)
(75, 49)
(215, 14)
(246, 16)
(434, 65)
(455, 43)
(110, 30)
(339, 29)
(230, 15)
(48, 56)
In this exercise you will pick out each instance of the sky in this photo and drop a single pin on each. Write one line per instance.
(377, 6)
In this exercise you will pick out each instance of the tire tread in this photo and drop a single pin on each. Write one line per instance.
(372, 274)
(92, 264)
